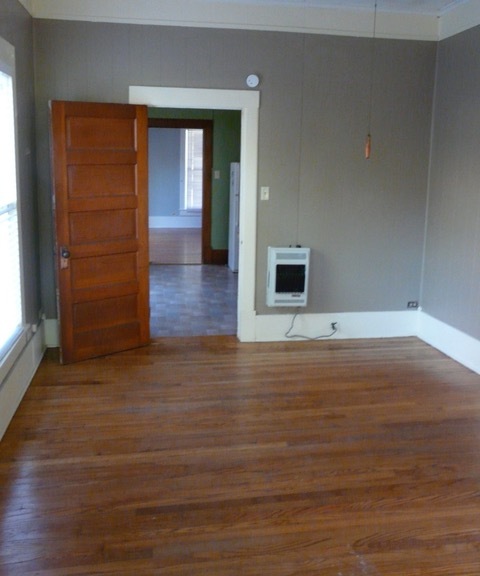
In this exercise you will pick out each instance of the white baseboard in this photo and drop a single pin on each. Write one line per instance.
(452, 342)
(272, 328)
(52, 338)
(175, 222)
(18, 379)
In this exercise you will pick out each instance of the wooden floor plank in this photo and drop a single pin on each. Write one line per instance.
(204, 456)
(175, 245)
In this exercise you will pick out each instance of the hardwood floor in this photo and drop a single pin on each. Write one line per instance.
(175, 245)
(204, 456)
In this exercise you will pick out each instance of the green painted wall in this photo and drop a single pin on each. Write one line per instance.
(226, 149)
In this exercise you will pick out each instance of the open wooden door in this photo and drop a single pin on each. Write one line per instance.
(100, 176)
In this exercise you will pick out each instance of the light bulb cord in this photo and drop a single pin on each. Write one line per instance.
(368, 140)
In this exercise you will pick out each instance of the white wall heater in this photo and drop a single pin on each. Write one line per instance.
(287, 276)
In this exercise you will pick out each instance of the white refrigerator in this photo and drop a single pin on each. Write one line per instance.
(233, 228)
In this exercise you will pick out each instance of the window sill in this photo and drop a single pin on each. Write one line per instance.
(12, 353)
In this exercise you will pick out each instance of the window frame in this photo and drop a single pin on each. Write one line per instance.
(184, 156)
(13, 347)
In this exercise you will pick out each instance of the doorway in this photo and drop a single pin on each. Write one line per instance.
(175, 160)
(248, 103)
(192, 291)
(180, 194)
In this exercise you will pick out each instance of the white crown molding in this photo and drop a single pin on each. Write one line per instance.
(284, 17)
(215, 14)
(462, 18)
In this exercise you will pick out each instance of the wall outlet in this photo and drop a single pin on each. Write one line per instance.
(412, 304)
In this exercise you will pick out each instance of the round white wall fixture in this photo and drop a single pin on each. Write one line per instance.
(253, 80)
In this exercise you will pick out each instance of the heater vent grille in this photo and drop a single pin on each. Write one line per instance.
(293, 256)
(287, 276)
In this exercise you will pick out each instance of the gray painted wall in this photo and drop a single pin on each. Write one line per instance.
(364, 220)
(164, 171)
(451, 291)
(16, 26)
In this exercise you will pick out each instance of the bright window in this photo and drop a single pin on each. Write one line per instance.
(10, 287)
(193, 190)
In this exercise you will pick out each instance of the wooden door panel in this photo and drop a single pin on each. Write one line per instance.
(102, 157)
(102, 226)
(96, 314)
(99, 156)
(103, 270)
(99, 342)
(115, 247)
(99, 293)
(101, 181)
(103, 133)
(102, 203)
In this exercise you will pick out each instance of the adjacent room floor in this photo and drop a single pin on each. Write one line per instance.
(186, 297)
(192, 300)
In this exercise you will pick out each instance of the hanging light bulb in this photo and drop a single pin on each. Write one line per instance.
(368, 139)
(368, 146)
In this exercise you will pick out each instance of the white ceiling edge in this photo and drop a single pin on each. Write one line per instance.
(288, 18)
(27, 4)
(465, 16)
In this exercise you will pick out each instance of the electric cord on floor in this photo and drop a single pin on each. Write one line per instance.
(289, 335)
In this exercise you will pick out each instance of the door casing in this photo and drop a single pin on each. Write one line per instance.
(248, 102)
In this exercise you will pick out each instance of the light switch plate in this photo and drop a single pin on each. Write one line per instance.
(264, 193)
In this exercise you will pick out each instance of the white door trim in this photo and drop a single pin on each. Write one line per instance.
(248, 102)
